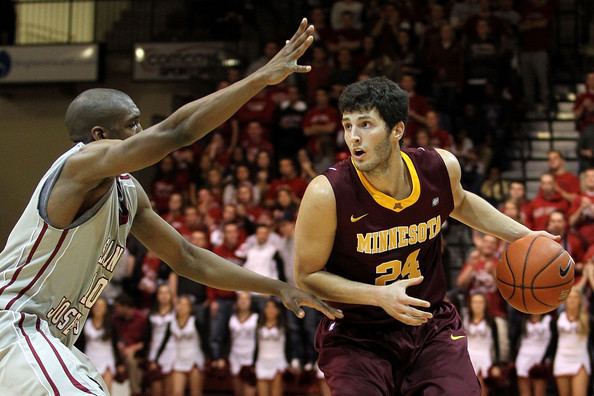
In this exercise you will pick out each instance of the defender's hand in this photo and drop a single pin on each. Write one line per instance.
(284, 62)
(294, 298)
(556, 238)
(394, 300)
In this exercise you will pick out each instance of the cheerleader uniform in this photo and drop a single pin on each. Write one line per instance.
(188, 352)
(243, 342)
(271, 352)
(480, 344)
(572, 348)
(98, 350)
(533, 345)
(163, 353)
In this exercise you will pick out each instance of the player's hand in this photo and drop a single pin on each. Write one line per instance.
(293, 299)
(556, 238)
(284, 62)
(399, 305)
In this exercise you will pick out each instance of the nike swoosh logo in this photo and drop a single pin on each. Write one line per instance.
(564, 271)
(453, 337)
(356, 219)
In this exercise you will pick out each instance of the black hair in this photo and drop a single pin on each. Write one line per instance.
(125, 300)
(379, 93)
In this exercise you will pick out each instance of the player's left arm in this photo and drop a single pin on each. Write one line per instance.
(203, 266)
(477, 213)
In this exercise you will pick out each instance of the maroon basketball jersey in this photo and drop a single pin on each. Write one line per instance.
(380, 240)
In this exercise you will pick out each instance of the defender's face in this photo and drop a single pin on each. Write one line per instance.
(367, 138)
(128, 122)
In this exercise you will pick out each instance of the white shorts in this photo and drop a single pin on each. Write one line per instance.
(268, 369)
(34, 362)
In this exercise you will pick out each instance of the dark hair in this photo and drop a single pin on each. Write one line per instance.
(125, 300)
(280, 322)
(379, 93)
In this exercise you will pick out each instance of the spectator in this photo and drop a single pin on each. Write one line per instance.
(535, 338)
(246, 206)
(348, 36)
(288, 135)
(571, 366)
(494, 189)
(417, 106)
(189, 358)
(546, 202)
(482, 61)
(289, 178)
(344, 72)
(422, 139)
(255, 141)
(263, 258)
(439, 137)
(507, 13)
(192, 220)
(535, 38)
(353, 7)
(582, 210)
(221, 301)
(130, 324)
(175, 213)
(445, 60)
(320, 125)
(241, 175)
(436, 19)
(270, 49)
(286, 205)
(161, 356)
(566, 183)
(242, 326)
(461, 11)
(259, 109)
(407, 54)
(557, 225)
(461, 146)
(478, 275)
(101, 342)
(385, 30)
(512, 210)
(164, 183)
(517, 194)
(323, 33)
(583, 111)
(319, 76)
(483, 345)
(271, 361)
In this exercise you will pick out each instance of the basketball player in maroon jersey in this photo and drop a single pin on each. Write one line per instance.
(368, 229)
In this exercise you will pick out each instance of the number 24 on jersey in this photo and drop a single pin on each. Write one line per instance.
(391, 271)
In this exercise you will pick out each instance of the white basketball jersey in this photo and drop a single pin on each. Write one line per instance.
(58, 274)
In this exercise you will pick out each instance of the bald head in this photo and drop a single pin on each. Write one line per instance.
(101, 113)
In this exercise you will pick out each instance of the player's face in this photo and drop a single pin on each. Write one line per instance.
(368, 139)
(128, 122)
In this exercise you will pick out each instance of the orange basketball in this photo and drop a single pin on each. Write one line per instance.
(535, 274)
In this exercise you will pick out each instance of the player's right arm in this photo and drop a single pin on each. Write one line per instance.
(108, 158)
(314, 238)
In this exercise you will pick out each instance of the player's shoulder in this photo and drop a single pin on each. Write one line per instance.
(319, 189)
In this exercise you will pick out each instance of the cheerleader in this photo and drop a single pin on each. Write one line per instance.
(242, 326)
(534, 341)
(572, 363)
(189, 359)
(271, 361)
(161, 355)
(100, 342)
(482, 335)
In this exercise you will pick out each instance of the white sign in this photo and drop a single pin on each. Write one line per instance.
(179, 61)
(49, 63)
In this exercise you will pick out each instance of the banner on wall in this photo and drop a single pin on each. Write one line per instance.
(49, 63)
(181, 61)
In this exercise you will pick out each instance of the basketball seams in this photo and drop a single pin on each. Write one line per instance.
(512, 274)
(536, 287)
(554, 259)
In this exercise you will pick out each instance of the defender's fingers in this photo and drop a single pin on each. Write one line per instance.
(300, 29)
(293, 306)
(302, 48)
(302, 69)
(416, 302)
(417, 313)
(293, 46)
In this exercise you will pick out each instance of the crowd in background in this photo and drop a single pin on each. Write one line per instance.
(471, 68)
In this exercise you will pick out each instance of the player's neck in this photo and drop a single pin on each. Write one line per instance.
(393, 179)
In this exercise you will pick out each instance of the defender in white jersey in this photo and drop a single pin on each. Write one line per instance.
(62, 252)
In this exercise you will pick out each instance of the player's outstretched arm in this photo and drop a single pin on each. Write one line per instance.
(314, 238)
(477, 213)
(205, 267)
(194, 120)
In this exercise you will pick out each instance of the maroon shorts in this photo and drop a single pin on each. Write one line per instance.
(389, 360)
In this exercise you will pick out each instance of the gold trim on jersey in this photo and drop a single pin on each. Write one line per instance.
(388, 202)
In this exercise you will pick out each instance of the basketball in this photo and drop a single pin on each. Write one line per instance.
(535, 274)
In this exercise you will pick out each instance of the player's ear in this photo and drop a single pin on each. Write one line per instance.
(398, 131)
(98, 133)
